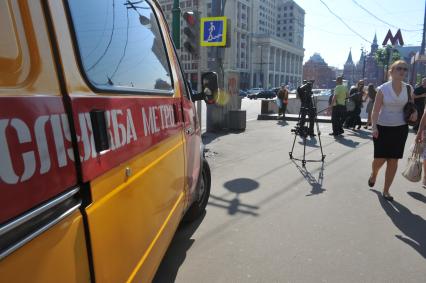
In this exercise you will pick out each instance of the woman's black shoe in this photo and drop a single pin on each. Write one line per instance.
(359, 127)
(370, 183)
(387, 197)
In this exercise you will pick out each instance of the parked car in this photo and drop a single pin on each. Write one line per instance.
(242, 93)
(266, 94)
(252, 95)
(254, 90)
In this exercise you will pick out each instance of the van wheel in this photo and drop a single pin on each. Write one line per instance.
(203, 192)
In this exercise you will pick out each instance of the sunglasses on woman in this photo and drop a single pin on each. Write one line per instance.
(405, 69)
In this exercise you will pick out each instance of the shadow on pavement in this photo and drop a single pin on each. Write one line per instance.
(282, 122)
(234, 206)
(417, 196)
(411, 225)
(310, 141)
(346, 142)
(316, 184)
(176, 253)
(363, 134)
(241, 185)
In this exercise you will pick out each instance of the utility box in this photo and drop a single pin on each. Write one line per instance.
(268, 107)
(237, 120)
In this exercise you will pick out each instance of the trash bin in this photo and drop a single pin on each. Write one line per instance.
(237, 120)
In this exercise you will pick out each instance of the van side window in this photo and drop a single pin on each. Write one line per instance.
(121, 46)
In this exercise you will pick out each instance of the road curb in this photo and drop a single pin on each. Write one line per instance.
(295, 117)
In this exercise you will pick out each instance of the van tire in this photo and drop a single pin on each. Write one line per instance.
(198, 207)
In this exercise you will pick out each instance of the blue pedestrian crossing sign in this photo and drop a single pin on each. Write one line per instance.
(213, 31)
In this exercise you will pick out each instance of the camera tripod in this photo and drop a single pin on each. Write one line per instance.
(303, 131)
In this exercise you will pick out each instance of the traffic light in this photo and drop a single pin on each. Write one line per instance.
(192, 32)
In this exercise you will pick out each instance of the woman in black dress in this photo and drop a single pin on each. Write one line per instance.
(390, 130)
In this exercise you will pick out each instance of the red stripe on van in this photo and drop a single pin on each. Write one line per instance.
(35, 163)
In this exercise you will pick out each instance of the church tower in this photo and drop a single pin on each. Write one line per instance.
(349, 61)
(349, 71)
(374, 45)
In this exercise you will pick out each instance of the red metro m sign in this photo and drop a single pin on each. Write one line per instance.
(393, 39)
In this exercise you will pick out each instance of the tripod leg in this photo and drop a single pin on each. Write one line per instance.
(304, 152)
(318, 131)
(319, 139)
(292, 148)
(295, 134)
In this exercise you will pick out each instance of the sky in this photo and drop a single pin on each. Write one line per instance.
(327, 35)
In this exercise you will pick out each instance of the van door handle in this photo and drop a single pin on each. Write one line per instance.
(99, 127)
(189, 131)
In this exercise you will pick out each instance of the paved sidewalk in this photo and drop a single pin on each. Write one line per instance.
(270, 220)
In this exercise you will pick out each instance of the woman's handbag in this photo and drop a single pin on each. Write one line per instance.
(409, 109)
(413, 170)
(350, 105)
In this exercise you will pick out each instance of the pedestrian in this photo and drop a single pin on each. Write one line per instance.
(390, 130)
(282, 100)
(420, 140)
(371, 93)
(356, 95)
(338, 103)
(419, 100)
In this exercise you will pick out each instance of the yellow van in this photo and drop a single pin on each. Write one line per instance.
(100, 149)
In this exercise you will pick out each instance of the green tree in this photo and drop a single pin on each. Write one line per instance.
(385, 57)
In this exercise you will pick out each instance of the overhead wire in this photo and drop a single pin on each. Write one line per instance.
(340, 19)
(379, 19)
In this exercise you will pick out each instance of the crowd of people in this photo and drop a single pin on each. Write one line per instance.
(347, 106)
(386, 117)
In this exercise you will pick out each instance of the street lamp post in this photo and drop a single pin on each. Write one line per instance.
(176, 24)
(363, 63)
(389, 51)
(261, 66)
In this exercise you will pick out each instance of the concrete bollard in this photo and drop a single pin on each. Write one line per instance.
(237, 120)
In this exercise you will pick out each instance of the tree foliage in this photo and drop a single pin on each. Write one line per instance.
(385, 55)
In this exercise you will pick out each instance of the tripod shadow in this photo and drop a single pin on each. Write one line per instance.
(316, 184)
(411, 225)
(310, 141)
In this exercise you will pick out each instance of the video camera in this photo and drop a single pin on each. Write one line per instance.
(301, 131)
(305, 93)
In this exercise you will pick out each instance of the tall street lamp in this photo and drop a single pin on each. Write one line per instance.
(363, 52)
(261, 66)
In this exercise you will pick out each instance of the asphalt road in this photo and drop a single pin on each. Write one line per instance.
(270, 220)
